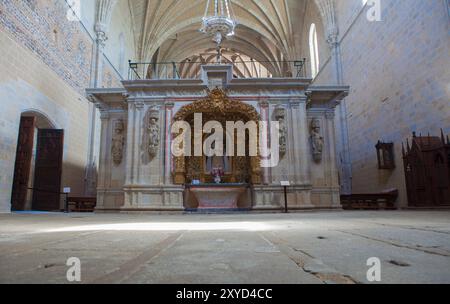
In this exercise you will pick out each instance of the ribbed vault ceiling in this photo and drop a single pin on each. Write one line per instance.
(268, 30)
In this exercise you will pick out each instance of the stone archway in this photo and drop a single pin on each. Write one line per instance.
(217, 106)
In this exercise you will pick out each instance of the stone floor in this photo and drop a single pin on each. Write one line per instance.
(413, 246)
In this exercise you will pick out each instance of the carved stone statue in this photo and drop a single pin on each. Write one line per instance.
(280, 116)
(118, 142)
(154, 136)
(317, 140)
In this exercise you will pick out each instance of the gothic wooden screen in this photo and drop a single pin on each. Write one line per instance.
(48, 170)
(427, 171)
(22, 168)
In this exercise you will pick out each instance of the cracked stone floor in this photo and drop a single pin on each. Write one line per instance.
(316, 247)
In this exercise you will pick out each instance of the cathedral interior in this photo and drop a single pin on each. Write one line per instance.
(311, 135)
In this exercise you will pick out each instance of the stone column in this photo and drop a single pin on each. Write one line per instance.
(135, 108)
(264, 110)
(157, 164)
(103, 15)
(328, 12)
(104, 155)
(97, 60)
(90, 182)
(344, 145)
(331, 134)
(333, 169)
(129, 144)
(96, 82)
(301, 147)
(168, 157)
(137, 136)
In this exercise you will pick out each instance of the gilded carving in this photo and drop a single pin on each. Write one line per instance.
(218, 105)
(180, 171)
(217, 101)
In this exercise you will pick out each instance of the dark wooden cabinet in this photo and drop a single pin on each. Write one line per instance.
(427, 171)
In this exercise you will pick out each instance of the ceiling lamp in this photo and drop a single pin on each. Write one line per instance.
(219, 21)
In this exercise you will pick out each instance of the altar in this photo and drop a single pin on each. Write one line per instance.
(141, 170)
(217, 196)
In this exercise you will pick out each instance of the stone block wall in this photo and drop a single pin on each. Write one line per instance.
(41, 26)
(400, 82)
(46, 65)
(28, 84)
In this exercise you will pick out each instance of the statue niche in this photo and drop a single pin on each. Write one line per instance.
(218, 107)
(118, 142)
(153, 131)
(280, 116)
(317, 141)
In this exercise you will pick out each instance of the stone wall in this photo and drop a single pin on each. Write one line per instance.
(42, 27)
(27, 84)
(398, 72)
(46, 65)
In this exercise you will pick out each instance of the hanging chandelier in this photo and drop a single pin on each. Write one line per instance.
(218, 21)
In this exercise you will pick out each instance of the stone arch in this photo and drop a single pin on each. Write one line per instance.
(43, 121)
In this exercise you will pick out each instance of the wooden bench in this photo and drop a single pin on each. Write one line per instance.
(82, 204)
(370, 201)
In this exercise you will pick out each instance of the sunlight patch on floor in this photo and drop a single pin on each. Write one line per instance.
(169, 226)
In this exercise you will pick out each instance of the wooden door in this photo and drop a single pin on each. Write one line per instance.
(22, 168)
(48, 170)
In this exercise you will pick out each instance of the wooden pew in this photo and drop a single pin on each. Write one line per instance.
(370, 201)
(82, 204)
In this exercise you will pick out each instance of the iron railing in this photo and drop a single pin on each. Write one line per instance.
(241, 69)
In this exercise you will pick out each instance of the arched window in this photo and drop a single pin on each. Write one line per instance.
(122, 65)
(314, 50)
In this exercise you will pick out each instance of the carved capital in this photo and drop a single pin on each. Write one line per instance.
(263, 104)
(126, 96)
(169, 105)
(333, 39)
(103, 109)
(330, 114)
(101, 39)
(92, 98)
(139, 106)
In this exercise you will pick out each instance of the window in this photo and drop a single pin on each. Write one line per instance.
(122, 64)
(314, 51)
